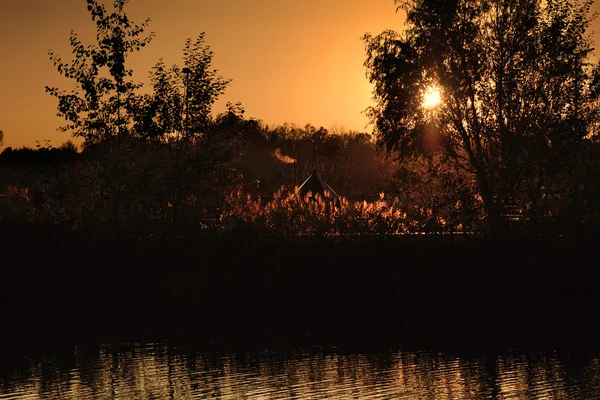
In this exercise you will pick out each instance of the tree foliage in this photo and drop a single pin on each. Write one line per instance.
(182, 98)
(98, 107)
(518, 93)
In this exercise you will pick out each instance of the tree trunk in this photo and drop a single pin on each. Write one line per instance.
(495, 222)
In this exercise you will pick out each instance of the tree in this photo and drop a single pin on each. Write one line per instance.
(182, 98)
(1, 137)
(177, 118)
(97, 108)
(518, 95)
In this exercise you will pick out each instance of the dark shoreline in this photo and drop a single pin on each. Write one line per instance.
(446, 277)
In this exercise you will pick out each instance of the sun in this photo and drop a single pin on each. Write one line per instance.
(432, 97)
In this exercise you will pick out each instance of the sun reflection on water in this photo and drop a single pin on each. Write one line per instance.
(161, 371)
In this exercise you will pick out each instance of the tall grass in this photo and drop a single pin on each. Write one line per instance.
(292, 215)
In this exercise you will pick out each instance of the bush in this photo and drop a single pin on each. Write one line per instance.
(290, 215)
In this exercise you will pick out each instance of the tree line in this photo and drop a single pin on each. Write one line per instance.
(512, 144)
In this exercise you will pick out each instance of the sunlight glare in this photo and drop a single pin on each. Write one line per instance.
(432, 97)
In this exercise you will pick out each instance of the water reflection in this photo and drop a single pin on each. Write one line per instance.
(166, 371)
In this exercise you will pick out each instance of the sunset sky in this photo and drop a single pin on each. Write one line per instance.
(290, 61)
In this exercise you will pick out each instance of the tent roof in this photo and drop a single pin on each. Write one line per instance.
(315, 184)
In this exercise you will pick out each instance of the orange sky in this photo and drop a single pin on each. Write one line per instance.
(290, 61)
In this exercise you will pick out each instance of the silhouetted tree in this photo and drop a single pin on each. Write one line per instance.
(40, 158)
(97, 108)
(1, 138)
(517, 91)
(182, 100)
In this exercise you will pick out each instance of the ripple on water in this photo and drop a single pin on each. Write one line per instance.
(162, 371)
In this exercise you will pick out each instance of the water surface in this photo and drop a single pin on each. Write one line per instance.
(204, 368)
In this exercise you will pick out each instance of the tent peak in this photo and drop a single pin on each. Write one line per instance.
(315, 184)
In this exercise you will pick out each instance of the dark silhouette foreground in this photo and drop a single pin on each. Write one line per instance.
(411, 276)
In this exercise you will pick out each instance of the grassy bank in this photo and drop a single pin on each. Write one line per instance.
(465, 276)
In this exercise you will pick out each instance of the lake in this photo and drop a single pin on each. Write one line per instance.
(282, 360)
